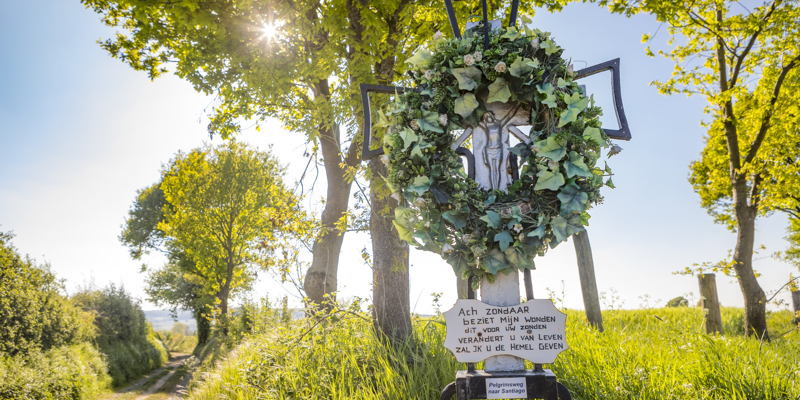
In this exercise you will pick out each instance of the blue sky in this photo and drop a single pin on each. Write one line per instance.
(81, 132)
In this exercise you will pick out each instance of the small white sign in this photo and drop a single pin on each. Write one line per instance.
(534, 330)
(506, 388)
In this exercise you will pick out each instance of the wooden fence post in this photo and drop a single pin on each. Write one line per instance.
(710, 303)
(591, 300)
(796, 303)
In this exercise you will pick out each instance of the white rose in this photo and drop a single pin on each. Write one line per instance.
(517, 228)
(614, 150)
(570, 70)
(500, 67)
(438, 35)
(385, 159)
(447, 248)
(469, 60)
(466, 238)
(414, 125)
(420, 202)
(535, 43)
(428, 74)
(443, 120)
(478, 56)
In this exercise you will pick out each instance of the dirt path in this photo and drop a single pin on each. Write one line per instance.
(145, 388)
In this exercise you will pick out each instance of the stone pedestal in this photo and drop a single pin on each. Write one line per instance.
(503, 292)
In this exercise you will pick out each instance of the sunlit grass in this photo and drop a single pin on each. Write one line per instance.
(638, 357)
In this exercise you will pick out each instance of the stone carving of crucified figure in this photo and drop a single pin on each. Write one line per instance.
(490, 143)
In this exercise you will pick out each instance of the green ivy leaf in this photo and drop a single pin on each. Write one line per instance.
(492, 219)
(576, 166)
(511, 33)
(504, 238)
(539, 231)
(402, 215)
(466, 104)
(468, 78)
(572, 199)
(429, 122)
(521, 67)
(550, 148)
(457, 218)
(549, 98)
(420, 59)
(549, 180)
(459, 261)
(549, 46)
(416, 152)
(408, 137)
(421, 185)
(495, 262)
(575, 104)
(610, 183)
(595, 135)
(498, 91)
(403, 233)
(563, 228)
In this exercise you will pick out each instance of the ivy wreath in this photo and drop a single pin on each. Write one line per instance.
(484, 232)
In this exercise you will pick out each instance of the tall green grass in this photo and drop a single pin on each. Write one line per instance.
(75, 372)
(177, 342)
(638, 357)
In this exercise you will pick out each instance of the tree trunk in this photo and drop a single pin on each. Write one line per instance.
(390, 290)
(755, 301)
(223, 309)
(321, 277)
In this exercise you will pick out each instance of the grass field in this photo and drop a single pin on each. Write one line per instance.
(643, 354)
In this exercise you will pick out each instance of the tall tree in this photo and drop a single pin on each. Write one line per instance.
(223, 208)
(745, 62)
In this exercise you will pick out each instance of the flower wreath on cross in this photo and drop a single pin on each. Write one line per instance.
(484, 232)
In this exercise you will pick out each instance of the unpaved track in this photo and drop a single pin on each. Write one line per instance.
(177, 360)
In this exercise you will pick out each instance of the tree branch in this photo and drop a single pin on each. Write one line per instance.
(766, 119)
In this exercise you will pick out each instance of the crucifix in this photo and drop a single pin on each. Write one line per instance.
(492, 166)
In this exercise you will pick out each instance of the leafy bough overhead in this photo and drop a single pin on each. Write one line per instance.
(485, 232)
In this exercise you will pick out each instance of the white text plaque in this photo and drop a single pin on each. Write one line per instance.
(533, 330)
(506, 388)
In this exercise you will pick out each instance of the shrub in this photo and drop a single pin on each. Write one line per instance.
(679, 301)
(73, 372)
(123, 333)
(33, 313)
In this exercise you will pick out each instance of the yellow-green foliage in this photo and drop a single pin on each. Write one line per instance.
(177, 342)
(68, 372)
(638, 356)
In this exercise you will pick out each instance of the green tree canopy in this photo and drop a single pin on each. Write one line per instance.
(220, 213)
(746, 63)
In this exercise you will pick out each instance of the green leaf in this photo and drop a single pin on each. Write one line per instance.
(572, 199)
(492, 219)
(416, 153)
(549, 98)
(610, 184)
(549, 180)
(549, 47)
(504, 238)
(550, 148)
(595, 135)
(498, 91)
(408, 137)
(466, 104)
(576, 166)
(468, 78)
(563, 228)
(511, 33)
(429, 122)
(402, 215)
(420, 59)
(495, 262)
(539, 231)
(521, 67)
(459, 261)
(457, 218)
(421, 185)
(403, 233)
(575, 104)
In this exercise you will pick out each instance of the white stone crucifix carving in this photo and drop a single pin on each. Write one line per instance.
(490, 143)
